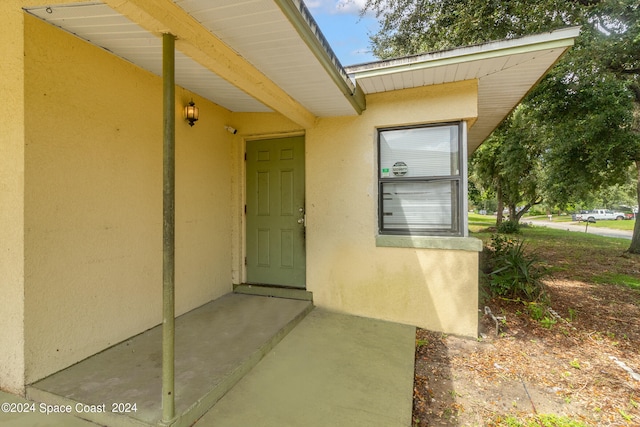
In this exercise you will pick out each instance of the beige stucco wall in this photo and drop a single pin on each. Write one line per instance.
(11, 198)
(93, 201)
(82, 258)
(346, 271)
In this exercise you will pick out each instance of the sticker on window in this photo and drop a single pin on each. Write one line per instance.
(385, 172)
(400, 169)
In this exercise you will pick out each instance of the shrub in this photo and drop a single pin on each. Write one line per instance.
(501, 244)
(511, 272)
(494, 250)
(509, 227)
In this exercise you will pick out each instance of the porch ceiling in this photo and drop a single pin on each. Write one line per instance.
(506, 71)
(245, 55)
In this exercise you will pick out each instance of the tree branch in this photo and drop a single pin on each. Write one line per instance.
(635, 88)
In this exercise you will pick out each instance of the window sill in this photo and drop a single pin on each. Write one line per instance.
(430, 242)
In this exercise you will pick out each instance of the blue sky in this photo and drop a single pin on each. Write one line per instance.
(345, 30)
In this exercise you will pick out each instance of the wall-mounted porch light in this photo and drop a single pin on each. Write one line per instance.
(191, 113)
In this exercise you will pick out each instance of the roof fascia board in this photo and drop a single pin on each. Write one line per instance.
(164, 16)
(301, 19)
(26, 4)
(559, 39)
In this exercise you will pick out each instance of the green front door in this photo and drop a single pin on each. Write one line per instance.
(275, 212)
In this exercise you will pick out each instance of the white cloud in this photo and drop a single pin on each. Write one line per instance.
(347, 7)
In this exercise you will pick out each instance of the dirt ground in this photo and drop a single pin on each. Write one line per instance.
(582, 362)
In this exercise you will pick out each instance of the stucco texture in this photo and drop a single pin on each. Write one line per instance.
(11, 198)
(93, 200)
(346, 271)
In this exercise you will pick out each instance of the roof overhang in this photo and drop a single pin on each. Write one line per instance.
(505, 70)
(245, 55)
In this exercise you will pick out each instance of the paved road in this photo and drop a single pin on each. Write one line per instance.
(572, 226)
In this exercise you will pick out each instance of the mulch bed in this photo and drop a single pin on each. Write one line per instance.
(583, 362)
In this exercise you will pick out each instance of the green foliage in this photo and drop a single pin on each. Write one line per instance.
(538, 211)
(619, 196)
(618, 279)
(500, 245)
(509, 227)
(509, 162)
(539, 421)
(548, 322)
(511, 272)
(411, 26)
(536, 311)
(587, 116)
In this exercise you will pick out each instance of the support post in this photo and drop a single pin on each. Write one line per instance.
(168, 235)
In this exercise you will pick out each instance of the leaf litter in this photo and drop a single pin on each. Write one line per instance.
(582, 366)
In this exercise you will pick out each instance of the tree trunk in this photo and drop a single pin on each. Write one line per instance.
(634, 248)
(500, 205)
(526, 208)
(520, 214)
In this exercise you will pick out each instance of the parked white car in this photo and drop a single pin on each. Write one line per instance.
(597, 214)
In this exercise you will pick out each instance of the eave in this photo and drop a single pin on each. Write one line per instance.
(505, 70)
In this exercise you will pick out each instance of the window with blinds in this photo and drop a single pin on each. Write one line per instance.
(419, 180)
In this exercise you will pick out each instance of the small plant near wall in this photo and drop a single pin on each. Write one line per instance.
(499, 245)
(536, 311)
(512, 272)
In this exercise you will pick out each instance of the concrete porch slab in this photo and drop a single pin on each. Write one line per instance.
(331, 370)
(216, 345)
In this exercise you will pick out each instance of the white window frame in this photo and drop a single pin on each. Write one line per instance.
(459, 205)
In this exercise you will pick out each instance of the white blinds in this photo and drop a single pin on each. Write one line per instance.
(419, 152)
(420, 206)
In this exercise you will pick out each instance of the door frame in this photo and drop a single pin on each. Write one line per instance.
(243, 171)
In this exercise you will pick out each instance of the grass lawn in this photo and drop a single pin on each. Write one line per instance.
(477, 222)
(583, 254)
(617, 225)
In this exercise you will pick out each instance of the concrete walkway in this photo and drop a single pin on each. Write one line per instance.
(331, 369)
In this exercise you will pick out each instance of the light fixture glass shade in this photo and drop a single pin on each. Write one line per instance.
(191, 113)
